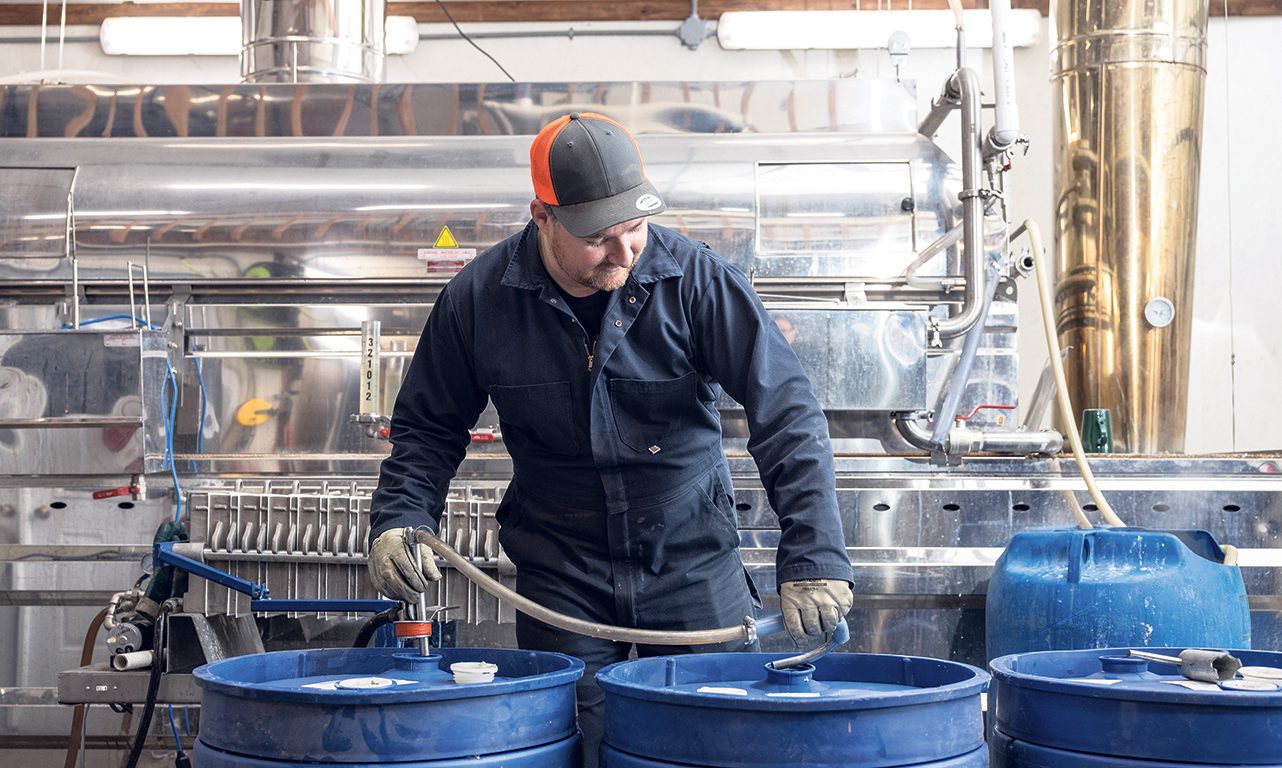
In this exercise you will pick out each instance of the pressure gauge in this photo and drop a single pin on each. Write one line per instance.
(1159, 312)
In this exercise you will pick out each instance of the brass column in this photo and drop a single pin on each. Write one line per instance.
(1128, 78)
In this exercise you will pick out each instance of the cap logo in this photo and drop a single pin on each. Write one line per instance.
(648, 202)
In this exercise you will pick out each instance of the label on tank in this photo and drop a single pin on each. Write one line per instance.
(1262, 673)
(1193, 685)
(809, 689)
(1248, 685)
(371, 684)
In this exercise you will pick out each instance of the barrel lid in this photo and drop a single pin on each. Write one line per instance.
(1098, 674)
(1059, 700)
(835, 682)
(382, 675)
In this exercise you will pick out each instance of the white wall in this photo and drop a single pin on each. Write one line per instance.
(1232, 399)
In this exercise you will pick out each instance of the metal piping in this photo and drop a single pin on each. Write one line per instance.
(972, 209)
(962, 91)
(1043, 394)
(944, 242)
(949, 99)
(311, 41)
(1047, 442)
(962, 441)
(947, 411)
(912, 431)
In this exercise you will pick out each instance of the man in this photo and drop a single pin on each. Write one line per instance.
(602, 341)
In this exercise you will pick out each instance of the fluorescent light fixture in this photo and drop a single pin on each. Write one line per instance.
(852, 30)
(212, 36)
(301, 186)
(170, 36)
(103, 215)
(435, 207)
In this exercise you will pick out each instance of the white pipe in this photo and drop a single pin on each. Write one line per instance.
(1061, 383)
(959, 17)
(109, 621)
(136, 660)
(1005, 130)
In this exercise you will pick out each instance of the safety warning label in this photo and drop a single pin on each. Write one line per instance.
(445, 257)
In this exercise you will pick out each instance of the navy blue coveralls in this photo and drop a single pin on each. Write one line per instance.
(620, 509)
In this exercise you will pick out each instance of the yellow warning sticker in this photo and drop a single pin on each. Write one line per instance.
(445, 261)
(445, 239)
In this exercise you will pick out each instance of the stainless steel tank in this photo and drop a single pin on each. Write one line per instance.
(1128, 82)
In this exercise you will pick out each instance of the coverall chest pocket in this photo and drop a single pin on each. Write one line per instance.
(649, 415)
(538, 416)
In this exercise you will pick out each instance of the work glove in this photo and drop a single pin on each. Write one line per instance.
(814, 607)
(392, 569)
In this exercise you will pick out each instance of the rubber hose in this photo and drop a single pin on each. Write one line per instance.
(1061, 383)
(78, 716)
(373, 624)
(579, 626)
(153, 687)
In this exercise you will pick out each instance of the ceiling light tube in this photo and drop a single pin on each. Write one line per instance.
(212, 36)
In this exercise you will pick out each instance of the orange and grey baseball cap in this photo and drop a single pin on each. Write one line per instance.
(588, 168)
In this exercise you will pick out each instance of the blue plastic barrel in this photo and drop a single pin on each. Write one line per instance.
(1112, 588)
(388, 706)
(848, 711)
(1067, 709)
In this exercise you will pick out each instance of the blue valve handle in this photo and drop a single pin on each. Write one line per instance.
(261, 600)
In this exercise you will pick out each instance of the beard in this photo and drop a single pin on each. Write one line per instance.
(602, 277)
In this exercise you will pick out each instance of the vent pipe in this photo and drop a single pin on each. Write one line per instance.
(1128, 88)
(312, 41)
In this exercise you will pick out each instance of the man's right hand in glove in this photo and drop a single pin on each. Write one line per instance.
(392, 566)
(814, 607)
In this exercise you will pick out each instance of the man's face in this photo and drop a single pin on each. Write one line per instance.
(584, 265)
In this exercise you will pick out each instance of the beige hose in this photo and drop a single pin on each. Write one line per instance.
(956, 7)
(1061, 383)
(744, 633)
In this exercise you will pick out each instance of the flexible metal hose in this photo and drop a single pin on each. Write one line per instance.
(745, 632)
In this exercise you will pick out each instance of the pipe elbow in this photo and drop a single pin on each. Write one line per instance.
(912, 431)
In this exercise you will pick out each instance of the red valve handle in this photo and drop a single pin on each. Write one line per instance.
(126, 490)
(979, 408)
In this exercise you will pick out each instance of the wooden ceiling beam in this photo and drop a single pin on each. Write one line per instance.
(473, 11)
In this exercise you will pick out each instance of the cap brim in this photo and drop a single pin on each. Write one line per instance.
(589, 218)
